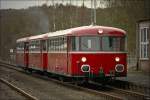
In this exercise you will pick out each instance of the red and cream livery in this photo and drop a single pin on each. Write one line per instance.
(88, 51)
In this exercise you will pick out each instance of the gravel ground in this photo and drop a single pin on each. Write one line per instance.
(6, 93)
(138, 77)
(44, 90)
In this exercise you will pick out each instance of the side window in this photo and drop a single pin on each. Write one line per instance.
(51, 44)
(57, 44)
(34, 45)
(61, 43)
(44, 45)
(26, 46)
(20, 46)
(75, 43)
(65, 43)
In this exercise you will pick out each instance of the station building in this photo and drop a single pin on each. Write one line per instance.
(143, 45)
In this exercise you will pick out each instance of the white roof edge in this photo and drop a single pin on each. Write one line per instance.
(22, 39)
(38, 36)
(113, 28)
(65, 32)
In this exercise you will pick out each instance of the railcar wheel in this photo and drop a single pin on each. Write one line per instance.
(29, 70)
(61, 79)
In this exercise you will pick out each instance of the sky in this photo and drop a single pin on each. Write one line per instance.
(19, 4)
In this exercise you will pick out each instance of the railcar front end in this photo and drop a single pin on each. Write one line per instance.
(98, 56)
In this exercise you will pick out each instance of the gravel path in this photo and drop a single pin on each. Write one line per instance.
(6, 93)
(138, 77)
(44, 90)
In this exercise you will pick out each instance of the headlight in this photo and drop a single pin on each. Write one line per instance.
(117, 59)
(83, 59)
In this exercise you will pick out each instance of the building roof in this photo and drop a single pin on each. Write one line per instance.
(143, 20)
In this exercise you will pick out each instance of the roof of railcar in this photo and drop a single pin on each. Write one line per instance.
(25, 39)
(22, 39)
(75, 31)
(84, 29)
(42, 36)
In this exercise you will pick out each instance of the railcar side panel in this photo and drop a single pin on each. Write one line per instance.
(26, 59)
(20, 59)
(57, 63)
(44, 61)
(35, 61)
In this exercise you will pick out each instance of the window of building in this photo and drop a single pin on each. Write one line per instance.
(144, 43)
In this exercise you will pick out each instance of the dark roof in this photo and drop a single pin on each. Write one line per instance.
(143, 20)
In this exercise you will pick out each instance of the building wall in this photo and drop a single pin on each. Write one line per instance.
(143, 64)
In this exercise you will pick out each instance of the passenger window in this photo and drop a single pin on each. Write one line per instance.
(75, 43)
(44, 45)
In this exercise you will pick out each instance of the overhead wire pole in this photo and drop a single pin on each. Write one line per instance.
(94, 12)
(70, 14)
(54, 25)
(91, 12)
(38, 3)
(62, 15)
(83, 2)
(76, 12)
(46, 2)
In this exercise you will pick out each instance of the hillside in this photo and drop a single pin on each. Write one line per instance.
(38, 20)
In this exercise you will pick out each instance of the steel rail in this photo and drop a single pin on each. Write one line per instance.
(30, 97)
(132, 93)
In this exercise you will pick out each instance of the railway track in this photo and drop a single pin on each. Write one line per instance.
(123, 94)
(107, 92)
(18, 90)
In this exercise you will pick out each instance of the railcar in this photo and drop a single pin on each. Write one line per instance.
(22, 52)
(87, 52)
(37, 52)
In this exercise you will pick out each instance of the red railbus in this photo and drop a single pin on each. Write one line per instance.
(38, 52)
(22, 52)
(91, 52)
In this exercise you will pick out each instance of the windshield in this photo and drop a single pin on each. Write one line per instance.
(97, 43)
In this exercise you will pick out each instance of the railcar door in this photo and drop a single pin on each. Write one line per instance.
(26, 54)
(44, 54)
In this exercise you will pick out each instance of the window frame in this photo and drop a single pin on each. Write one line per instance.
(36, 44)
(57, 44)
(143, 43)
(122, 39)
(80, 41)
